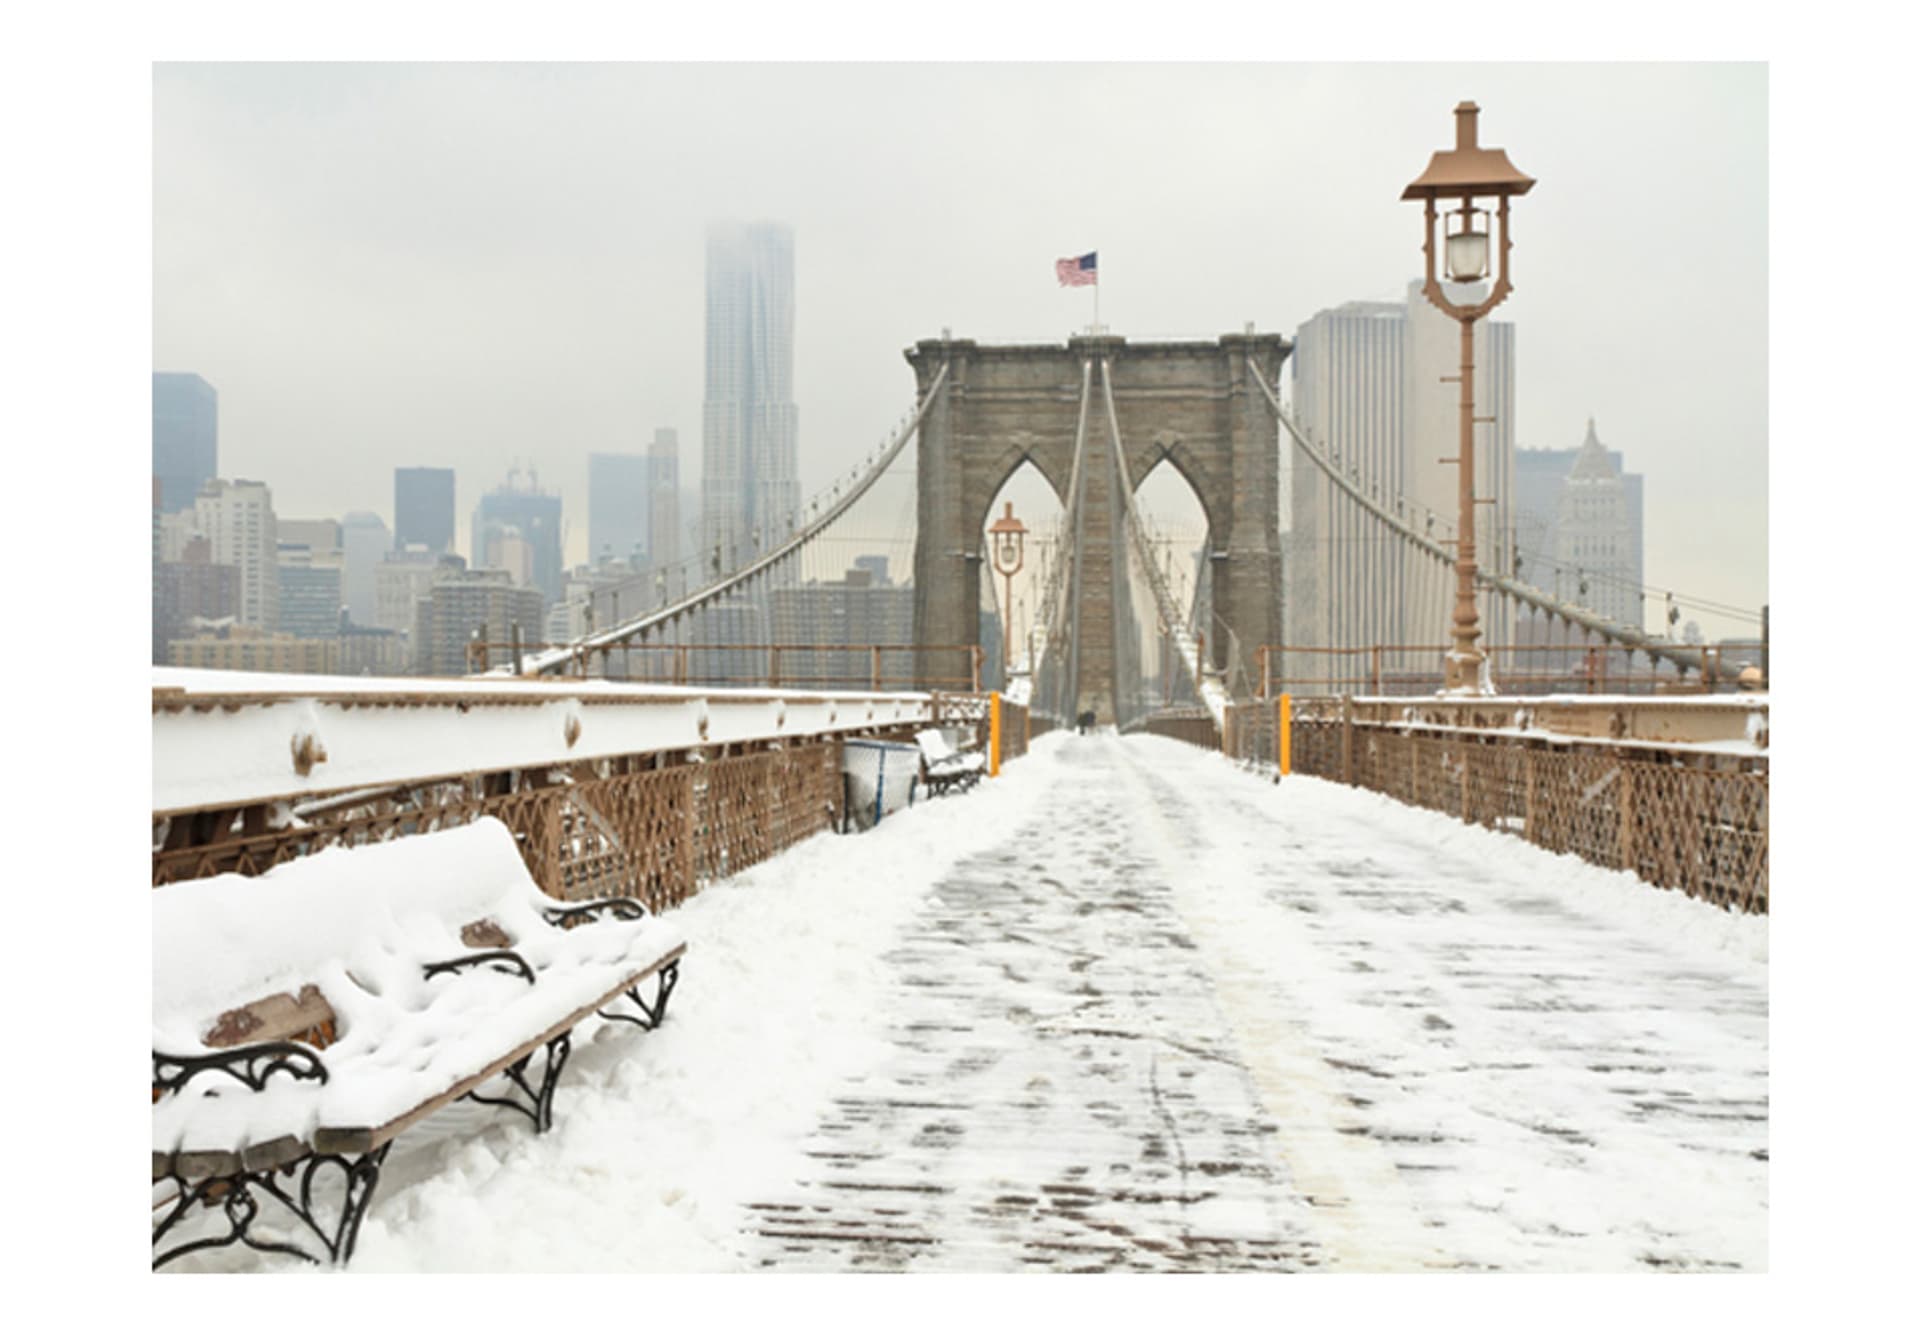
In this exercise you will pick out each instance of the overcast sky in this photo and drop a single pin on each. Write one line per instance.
(477, 265)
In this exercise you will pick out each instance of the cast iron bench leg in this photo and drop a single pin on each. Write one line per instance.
(538, 1104)
(650, 1016)
(235, 1195)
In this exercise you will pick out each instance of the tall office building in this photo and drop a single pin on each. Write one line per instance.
(191, 590)
(309, 592)
(858, 611)
(619, 508)
(186, 437)
(1579, 518)
(459, 606)
(513, 514)
(401, 580)
(1367, 386)
(663, 499)
(237, 519)
(364, 542)
(423, 509)
(750, 478)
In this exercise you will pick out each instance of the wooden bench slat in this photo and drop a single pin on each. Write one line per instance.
(276, 1018)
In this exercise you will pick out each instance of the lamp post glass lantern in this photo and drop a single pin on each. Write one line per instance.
(1467, 172)
(1008, 541)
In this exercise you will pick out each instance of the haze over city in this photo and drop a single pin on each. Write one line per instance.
(1469, 971)
(480, 266)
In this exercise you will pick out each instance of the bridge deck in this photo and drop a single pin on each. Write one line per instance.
(1130, 1008)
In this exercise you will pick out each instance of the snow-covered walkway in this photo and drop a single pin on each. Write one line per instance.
(1128, 1007)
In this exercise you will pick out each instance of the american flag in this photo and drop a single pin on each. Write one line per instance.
(1079, 271)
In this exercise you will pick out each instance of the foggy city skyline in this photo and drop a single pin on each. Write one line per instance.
(484, 266)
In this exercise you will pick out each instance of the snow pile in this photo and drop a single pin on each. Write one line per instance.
(361, 924)
(1472, 1053)
(660, 1138)
(1510, 1057)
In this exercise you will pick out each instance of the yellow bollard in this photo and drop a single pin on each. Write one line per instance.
(1285, 733)
(993, 735)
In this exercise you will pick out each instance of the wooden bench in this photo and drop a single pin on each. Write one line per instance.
(944, 767)
(304, 1018)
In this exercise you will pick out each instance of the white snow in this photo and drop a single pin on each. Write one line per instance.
(360, 924)
(1471, 1053)
(358, 737)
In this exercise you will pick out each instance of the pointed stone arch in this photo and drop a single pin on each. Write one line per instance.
(1190, 403)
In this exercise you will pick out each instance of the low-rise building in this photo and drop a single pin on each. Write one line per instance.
(230, 647)
(368, 650)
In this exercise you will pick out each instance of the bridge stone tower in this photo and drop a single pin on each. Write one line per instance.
(1191, 403)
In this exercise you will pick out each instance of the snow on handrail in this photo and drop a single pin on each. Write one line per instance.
(225, 739)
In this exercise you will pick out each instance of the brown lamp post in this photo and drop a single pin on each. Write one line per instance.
(1009, 556)
(1467, 172)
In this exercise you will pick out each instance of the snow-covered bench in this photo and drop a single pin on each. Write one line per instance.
(945, 766)
(304, 1018)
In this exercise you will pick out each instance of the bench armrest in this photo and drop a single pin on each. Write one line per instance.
(501, 961)
(625, 910)
(252, 1065)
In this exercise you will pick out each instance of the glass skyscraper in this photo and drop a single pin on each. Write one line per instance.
(749, 459)
(186, 437)
(619, 508)
(1367, 384)
(530, 516)
(423, 508)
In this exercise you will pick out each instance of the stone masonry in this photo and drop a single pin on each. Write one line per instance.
(1190, 403)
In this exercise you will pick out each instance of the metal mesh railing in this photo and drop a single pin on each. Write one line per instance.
(1193, 725)
(647, 833)
(1693, 822)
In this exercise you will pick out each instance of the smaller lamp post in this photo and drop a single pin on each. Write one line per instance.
(1467, 172)
(1009, 543)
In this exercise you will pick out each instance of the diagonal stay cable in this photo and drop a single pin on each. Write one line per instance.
(1625, 636)
(1054, 600)
(1184, 642)
(557, 660)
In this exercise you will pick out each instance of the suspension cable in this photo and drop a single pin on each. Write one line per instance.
(1210, 692)
(1059, 580)
(557, 660)
(1514, 589)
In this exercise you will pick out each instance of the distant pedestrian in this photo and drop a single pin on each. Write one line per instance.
(1086, 722)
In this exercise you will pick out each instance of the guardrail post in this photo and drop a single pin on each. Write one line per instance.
(1266, 673)
(1526, 758)
(1626, 816)
(516, 648)
(1376, 669)
(993, 735)
(978, 654)
(1466, 782)
(1346, 739)
(1283, 733)
(876, 667)
(773, 666)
